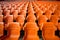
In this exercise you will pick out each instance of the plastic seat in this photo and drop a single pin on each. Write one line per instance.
(1, 18)
(15, 14)
(43, 8)
(48, 6)
(6, 12)
(30, 12)
(58, 26)
(57, 13)
(13, 31)
(39, 13)
(41, 20)
(36, 9)
(48, 14)
(48, 31)
(9, 7)
(23, 12)
(11, 10)
(31, 29)
(52, 8)
(1, 12)
(54, 19)
(20, 19)
(8, 19)
(18, 8)
(1, 29)
(3, 7)
(31, 18)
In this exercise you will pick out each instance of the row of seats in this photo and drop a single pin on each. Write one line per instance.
(30, 17)
(30, 28)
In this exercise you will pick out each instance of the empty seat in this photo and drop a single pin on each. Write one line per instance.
(30, 12)
(54, 19)
(39, 13)
(57, 13)
(11, 10)
(1, 18)
(41, 20)
(23, 12)
(13, 31)
(8, 19)
(58, 26)
(43, 9)
(53, 8)
(1, 12)
(20, 19)
(6, 12)
(1, 29)
(48, 31)
(15, 14)
(48, 14)
(31, 18)
(31, 29)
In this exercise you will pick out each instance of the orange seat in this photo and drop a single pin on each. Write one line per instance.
(1, 18)
(48, 14)
(6, 12)
(57, 13)
(31, 18)
(53, 8)
(48, 31)
(11, 10)
(54, 19)
(23, 12)
(43, 9)
(48, 6)
(15, 14)
(30, 12)
(41, 20)
(3, 7)
(8, 19)
(18, 8)
(30, 9)
(31, 29)
(13, 31)
(9, 7)
(39, 13)
(1, 29)
(1, 12)
(58, 26)
(21, 20)
(36, 9)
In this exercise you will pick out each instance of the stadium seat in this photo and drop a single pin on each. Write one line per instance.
(41, 20)
(1, 12)
(15, 14)
(13, 31)
(6, 12)
(1, 29)
(54, 19)
(1, 18)
(20, 19)
(31, 18)
(48, 31)
(31, 29)
(8, 19)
